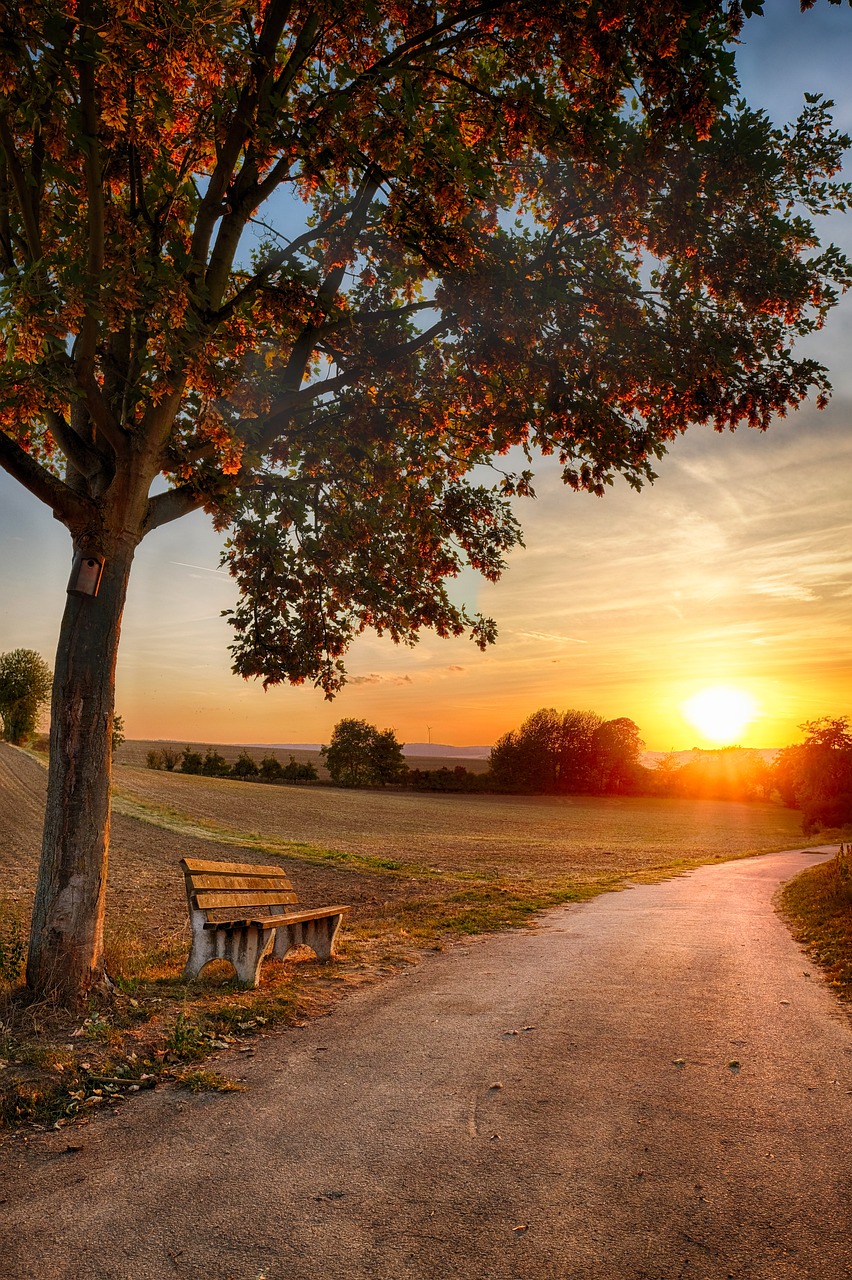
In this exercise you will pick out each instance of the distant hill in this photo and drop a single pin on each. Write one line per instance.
(419, 749)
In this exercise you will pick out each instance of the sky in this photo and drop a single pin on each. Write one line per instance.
(734, 570)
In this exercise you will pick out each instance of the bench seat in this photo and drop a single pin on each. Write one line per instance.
(242, 912)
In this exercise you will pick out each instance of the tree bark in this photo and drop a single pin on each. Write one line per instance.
(66, 942)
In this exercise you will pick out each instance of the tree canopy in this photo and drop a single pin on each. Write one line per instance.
(816, 775)
(336, 273)
(25, 680)
(568, 751)
(360, 755)
(316, 264)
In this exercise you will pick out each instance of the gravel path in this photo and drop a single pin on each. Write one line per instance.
(655, 1085)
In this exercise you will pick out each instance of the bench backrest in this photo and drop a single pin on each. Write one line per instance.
(223, 889)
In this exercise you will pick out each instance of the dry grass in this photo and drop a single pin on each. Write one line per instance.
(818, 908)
(517, 836)
(419, 869)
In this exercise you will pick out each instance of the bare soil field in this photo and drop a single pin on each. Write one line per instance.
(515, 836)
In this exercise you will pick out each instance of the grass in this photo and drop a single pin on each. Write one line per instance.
(818, 908)
(421, 871)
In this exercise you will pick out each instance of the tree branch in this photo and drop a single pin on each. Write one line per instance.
(87, 343)
(19, 182)
(241, 123)
(82, 456)
(66, 505)
(165, 507)
(293, 400)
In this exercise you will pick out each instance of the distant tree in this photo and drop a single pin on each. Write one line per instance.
(117, 733)
(816, 775)
(25, 682)
(244, 767)
(296, 771)
(577, 762)
(154, 759)
(567, 752)
(215, 765)
(360, 755)
(616, 748)
(527, 759)
(270, 769)
(191, 761)
(170, 758)
(386, 758)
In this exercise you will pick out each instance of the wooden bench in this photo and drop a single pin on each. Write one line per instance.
(241, 913)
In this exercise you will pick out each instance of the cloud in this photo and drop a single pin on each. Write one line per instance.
(375, 678)
(550, 637)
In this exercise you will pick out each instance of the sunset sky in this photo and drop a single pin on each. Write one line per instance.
(734, 570)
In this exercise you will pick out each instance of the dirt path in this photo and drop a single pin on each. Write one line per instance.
(655, 1085)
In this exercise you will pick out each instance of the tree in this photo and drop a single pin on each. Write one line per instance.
(117, 733)
(568, 751)
(547, 227)
(244, 767)
(25, 680)
(616, 757)
(527, 759)
(816, 775)
(360, 755)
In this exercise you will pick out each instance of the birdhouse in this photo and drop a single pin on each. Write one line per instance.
(86, 574)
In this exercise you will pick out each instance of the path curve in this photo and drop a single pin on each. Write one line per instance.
(655, 1085)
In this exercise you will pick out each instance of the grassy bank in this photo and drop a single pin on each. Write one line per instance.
(818, 908)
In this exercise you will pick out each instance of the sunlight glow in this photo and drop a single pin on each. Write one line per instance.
(721, 713)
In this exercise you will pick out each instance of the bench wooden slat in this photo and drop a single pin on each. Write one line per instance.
(313, 913)
(275, 881)
(226, 868)
(219, 918)
(246, 898)
(239, 912)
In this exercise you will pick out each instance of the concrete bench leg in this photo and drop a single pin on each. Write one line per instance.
(320, 935)
(244, 948)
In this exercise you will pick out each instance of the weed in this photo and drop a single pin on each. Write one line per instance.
(198, 1081)
(13, 949)
(186, 1039)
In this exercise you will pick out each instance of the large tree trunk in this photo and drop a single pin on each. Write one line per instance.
(66, 942)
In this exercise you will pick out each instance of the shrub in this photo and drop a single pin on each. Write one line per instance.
(170, 758)
(244, 767)
(271, 769)
(154, 760)
(215, 765)
(295, 772)
(191, 761)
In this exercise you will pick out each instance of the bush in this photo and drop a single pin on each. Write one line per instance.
(214, 765)
(245, 767)
(295, 772)
(170, 758)
(271, 769)
(154, 760)
(191, 761)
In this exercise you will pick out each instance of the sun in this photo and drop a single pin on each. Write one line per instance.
(720, 713)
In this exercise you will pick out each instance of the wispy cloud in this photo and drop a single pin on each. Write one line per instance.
(375, 678)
